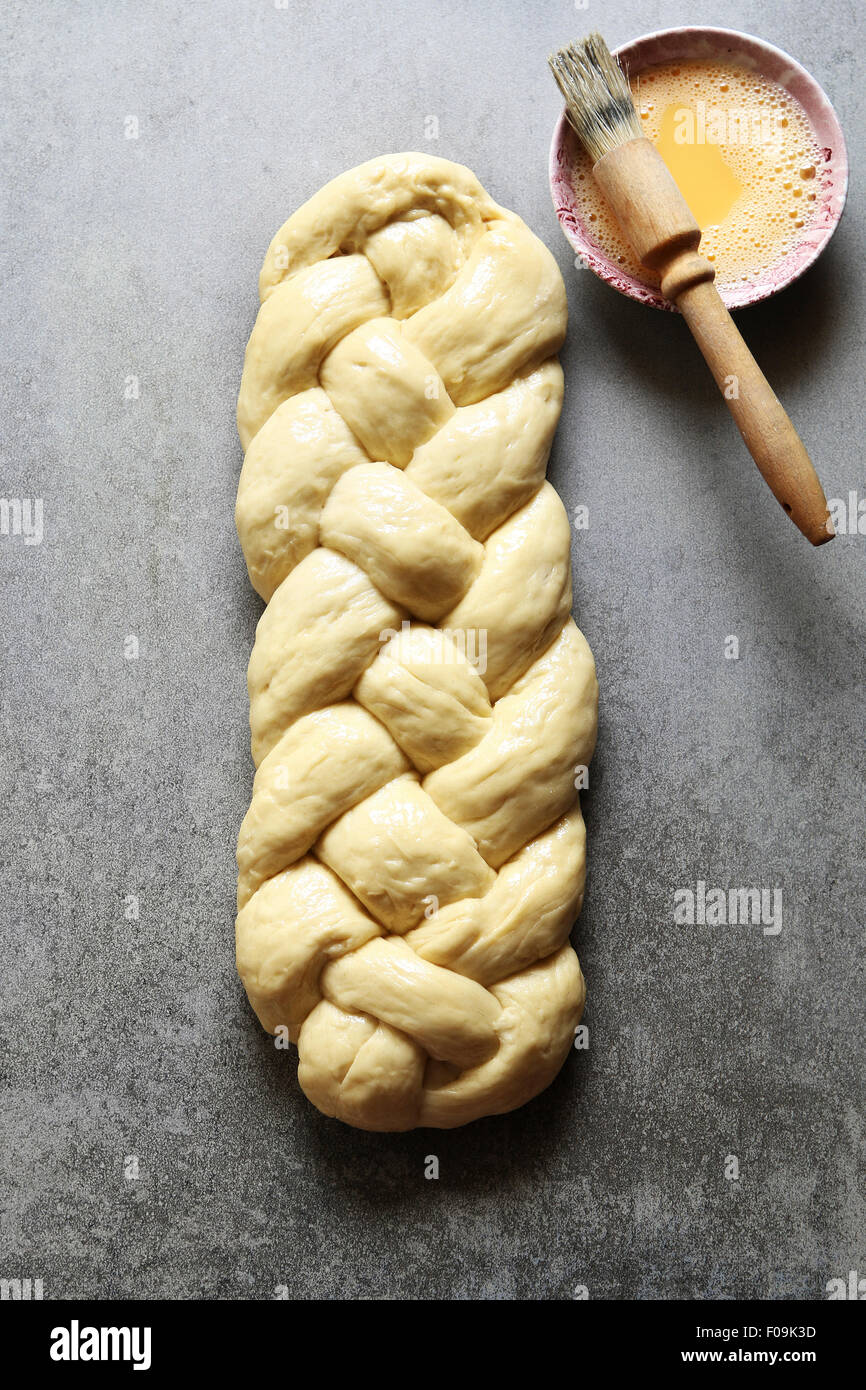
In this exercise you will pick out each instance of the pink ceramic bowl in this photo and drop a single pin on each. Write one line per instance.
(669, 45)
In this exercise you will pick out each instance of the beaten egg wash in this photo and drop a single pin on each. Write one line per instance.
(743, 154)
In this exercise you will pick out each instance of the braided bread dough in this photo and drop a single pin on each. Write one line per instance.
(413, 856)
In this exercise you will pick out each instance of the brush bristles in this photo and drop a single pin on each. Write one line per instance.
(598, 99)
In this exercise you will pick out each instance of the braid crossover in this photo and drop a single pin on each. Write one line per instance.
(420, 699)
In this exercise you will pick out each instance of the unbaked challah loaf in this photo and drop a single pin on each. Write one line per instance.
(420, 700)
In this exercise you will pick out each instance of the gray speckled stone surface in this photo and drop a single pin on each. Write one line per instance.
(138, 258)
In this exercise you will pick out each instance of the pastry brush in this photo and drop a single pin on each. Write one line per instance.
(657, 221)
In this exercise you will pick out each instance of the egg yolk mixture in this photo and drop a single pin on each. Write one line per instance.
(743, 154)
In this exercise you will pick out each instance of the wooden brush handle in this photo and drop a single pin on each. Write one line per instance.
(656, 219)
(761, 419)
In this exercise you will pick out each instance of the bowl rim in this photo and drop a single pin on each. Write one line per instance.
(801, 257)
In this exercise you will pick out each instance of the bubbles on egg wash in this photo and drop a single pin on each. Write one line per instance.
(777, 171)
